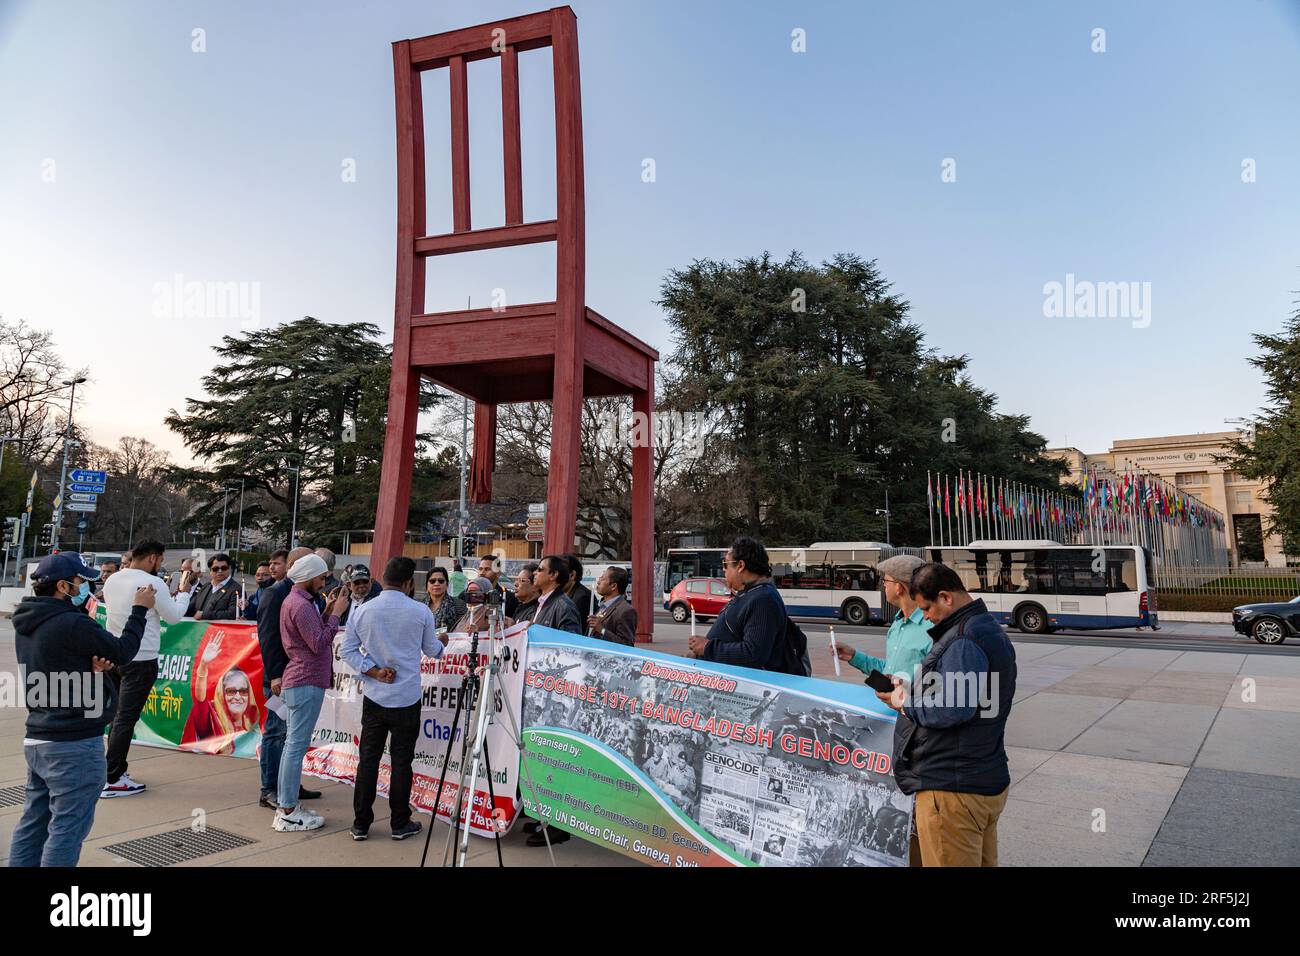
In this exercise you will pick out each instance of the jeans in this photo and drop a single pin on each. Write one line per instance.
(304, 703)
(64, 780)
(131, 685)
(272, 747)
(377, 722)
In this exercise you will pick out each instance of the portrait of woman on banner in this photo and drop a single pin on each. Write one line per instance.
(227, 712)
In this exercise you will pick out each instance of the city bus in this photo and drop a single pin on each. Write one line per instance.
(1039, 586)
(827, 579)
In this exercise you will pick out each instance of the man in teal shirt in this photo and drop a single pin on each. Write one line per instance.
(908, 640)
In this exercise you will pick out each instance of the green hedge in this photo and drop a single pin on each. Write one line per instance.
(1204, 602)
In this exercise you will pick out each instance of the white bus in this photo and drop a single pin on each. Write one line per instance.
(828, 579)
(1039, 586)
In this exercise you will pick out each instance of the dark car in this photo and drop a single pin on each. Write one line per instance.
(1270, 623)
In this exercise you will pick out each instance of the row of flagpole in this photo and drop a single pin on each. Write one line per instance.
(973, 506)
(1132, 507)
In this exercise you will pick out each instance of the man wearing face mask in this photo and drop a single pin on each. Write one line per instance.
(132, 681)
(62, 655)
(264, 581)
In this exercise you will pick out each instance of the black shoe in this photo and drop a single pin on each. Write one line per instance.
(268, 802)
(539, 838)
(359, 833)
(411, 829)
(531, 826)
(305, 794)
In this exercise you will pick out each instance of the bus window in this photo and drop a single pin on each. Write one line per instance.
(1121, 569)
(1079, 572)
(855, 577)
(1031, 572)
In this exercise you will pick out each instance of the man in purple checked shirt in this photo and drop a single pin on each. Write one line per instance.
(308, 639)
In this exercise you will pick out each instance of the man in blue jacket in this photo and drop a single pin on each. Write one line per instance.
(751, 630)
(949, 749)
(63, 654)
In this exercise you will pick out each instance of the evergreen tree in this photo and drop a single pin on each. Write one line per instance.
(827, 396)
(306, 393)
(1273, 453)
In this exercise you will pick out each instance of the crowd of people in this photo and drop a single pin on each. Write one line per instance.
(949, 745)
(949, 753)
(299, 606)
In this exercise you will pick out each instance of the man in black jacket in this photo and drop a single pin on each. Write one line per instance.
(274, 661)
(63, 654)
(554, 609)
(218, 600)
(751, 630)
(949, 748)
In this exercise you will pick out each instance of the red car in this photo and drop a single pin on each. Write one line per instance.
(706, 595)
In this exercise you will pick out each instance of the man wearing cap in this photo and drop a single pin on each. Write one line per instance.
(62, 654)
(133, 680)
(908, 640)
(361, 589)
(308, 640)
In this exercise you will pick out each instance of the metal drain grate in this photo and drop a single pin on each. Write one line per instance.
(177, 846)
(13, 796)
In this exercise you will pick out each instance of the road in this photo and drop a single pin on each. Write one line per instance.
(1174, 636)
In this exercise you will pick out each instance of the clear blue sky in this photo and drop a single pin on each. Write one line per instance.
(1118, 166)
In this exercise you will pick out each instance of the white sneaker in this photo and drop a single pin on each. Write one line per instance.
(124, 787)
(300, 819)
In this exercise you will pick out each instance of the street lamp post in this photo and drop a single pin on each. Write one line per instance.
(225, 501)
(5, 440)
(239, 535)
(63, 475)
(293, 527)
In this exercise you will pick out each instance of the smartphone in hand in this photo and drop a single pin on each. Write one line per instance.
(879, 682)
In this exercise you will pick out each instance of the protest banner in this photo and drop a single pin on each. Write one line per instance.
(208, 695)
(680, 762)
(335, 744)
(208, 699)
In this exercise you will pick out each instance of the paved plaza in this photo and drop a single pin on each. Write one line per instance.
(1119, 757)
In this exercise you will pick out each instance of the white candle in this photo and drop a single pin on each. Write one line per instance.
(834, 651)
(692, 622)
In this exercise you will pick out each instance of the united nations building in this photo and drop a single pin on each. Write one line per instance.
(1190, 463)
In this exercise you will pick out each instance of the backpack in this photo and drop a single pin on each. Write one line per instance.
(796, 656)
(795, 660)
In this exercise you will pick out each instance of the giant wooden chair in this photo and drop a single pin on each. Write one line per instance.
(557, 351)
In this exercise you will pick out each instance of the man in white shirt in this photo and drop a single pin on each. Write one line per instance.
(132, 682)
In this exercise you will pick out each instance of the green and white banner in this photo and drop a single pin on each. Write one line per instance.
(681, 762)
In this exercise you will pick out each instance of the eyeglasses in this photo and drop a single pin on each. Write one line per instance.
(728, 563)
(219, 567)
(237, 691)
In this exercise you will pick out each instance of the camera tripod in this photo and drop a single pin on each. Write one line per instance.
(476, 707)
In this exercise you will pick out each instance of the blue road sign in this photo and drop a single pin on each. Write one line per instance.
(96, 477)
(87, 487)
(83, 526)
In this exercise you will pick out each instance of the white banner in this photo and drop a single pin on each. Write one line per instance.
(335, 744)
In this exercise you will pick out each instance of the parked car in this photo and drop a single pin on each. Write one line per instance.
(706, 596)
(1269, 623)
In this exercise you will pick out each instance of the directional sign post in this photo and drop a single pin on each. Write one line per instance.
(79, 506)
(87, 487)
(95, 477)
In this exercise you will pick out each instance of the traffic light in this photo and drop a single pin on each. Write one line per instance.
(468, 547)
(47, 535)
(11, 532)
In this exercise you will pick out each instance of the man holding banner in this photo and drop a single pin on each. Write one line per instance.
(384, 643)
